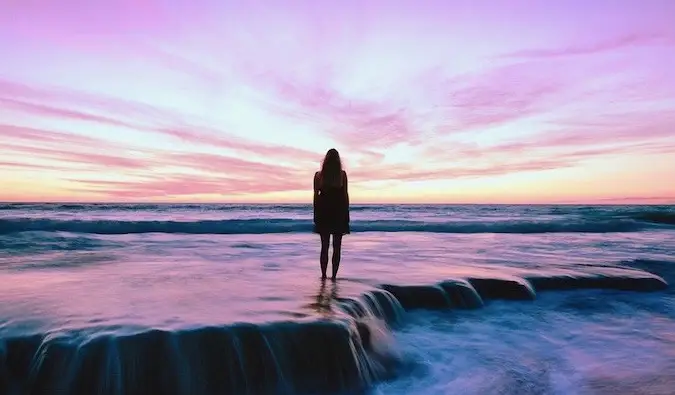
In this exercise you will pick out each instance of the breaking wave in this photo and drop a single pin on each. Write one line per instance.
(284, 225)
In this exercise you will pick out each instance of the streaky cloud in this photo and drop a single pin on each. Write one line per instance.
(215, 138)
(19, 165)
(575, 140)
(448, 172)
(83, 156)
(230, 165)
(182, 64)
(132, 115)
(181, 185)
(617, 43)
(102, 108)
(500, 94)
(43, 110)
(349, 120)
(35, 135)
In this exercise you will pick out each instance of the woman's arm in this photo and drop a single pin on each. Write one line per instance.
(346, 181)
(316, 193)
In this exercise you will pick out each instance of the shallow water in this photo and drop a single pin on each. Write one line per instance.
(119, 269)
(586, 342)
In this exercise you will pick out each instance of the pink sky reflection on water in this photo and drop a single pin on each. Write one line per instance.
(150, 281)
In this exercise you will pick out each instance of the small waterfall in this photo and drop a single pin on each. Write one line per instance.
(503, 288)
(420, 296)
(279, 358)
(462, 294)
(378, 304)
(620, 282)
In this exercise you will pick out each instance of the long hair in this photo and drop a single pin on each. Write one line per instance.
(331, 169)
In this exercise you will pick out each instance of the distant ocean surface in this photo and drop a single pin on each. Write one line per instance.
(205, 299)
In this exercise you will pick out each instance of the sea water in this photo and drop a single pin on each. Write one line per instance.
(128, 296)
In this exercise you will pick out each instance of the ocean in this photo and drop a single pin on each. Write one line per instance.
(206, 299)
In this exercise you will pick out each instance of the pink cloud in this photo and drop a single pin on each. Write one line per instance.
(350, 120)
(34, 135)
(133, 115)
(643, 131)
(71, 149)
(403, 173)
(91, 159)
(476, 100)
(174, 186)
(42, 110)
(59, 101)
(576, 140)
(136, 116)
(569, 146)
(64, 151)
(502, 159)
(181, 185)
(214, 138)
(180, 63)
(613, 44)
(89, 153)
(224, 164)
(499, 95)
(220, 175)
(16, 165)
(554, 88)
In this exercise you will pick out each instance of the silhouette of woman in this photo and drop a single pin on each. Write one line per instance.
(331, 208)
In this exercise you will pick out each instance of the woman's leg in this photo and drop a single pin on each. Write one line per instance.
(323, 258)
(337, 250)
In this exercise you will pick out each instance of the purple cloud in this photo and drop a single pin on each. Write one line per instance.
(91, 159)
(214, 138)
(182, 185)
(349, 120)
(616, 43)
(42, 110)
(34, 135)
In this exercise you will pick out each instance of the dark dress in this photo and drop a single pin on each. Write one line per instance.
(331, 211)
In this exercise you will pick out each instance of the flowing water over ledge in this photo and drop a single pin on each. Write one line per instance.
(414, 312)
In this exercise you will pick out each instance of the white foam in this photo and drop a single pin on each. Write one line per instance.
(565, 343)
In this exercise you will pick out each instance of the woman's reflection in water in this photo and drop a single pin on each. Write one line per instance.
(325, 298)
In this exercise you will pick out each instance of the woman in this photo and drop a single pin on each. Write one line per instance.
(331, 208)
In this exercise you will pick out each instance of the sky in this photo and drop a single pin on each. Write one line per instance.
(439, 101)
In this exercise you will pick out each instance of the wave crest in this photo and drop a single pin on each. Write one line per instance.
(283, 225)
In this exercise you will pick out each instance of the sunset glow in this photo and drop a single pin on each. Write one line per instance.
(427, 101)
